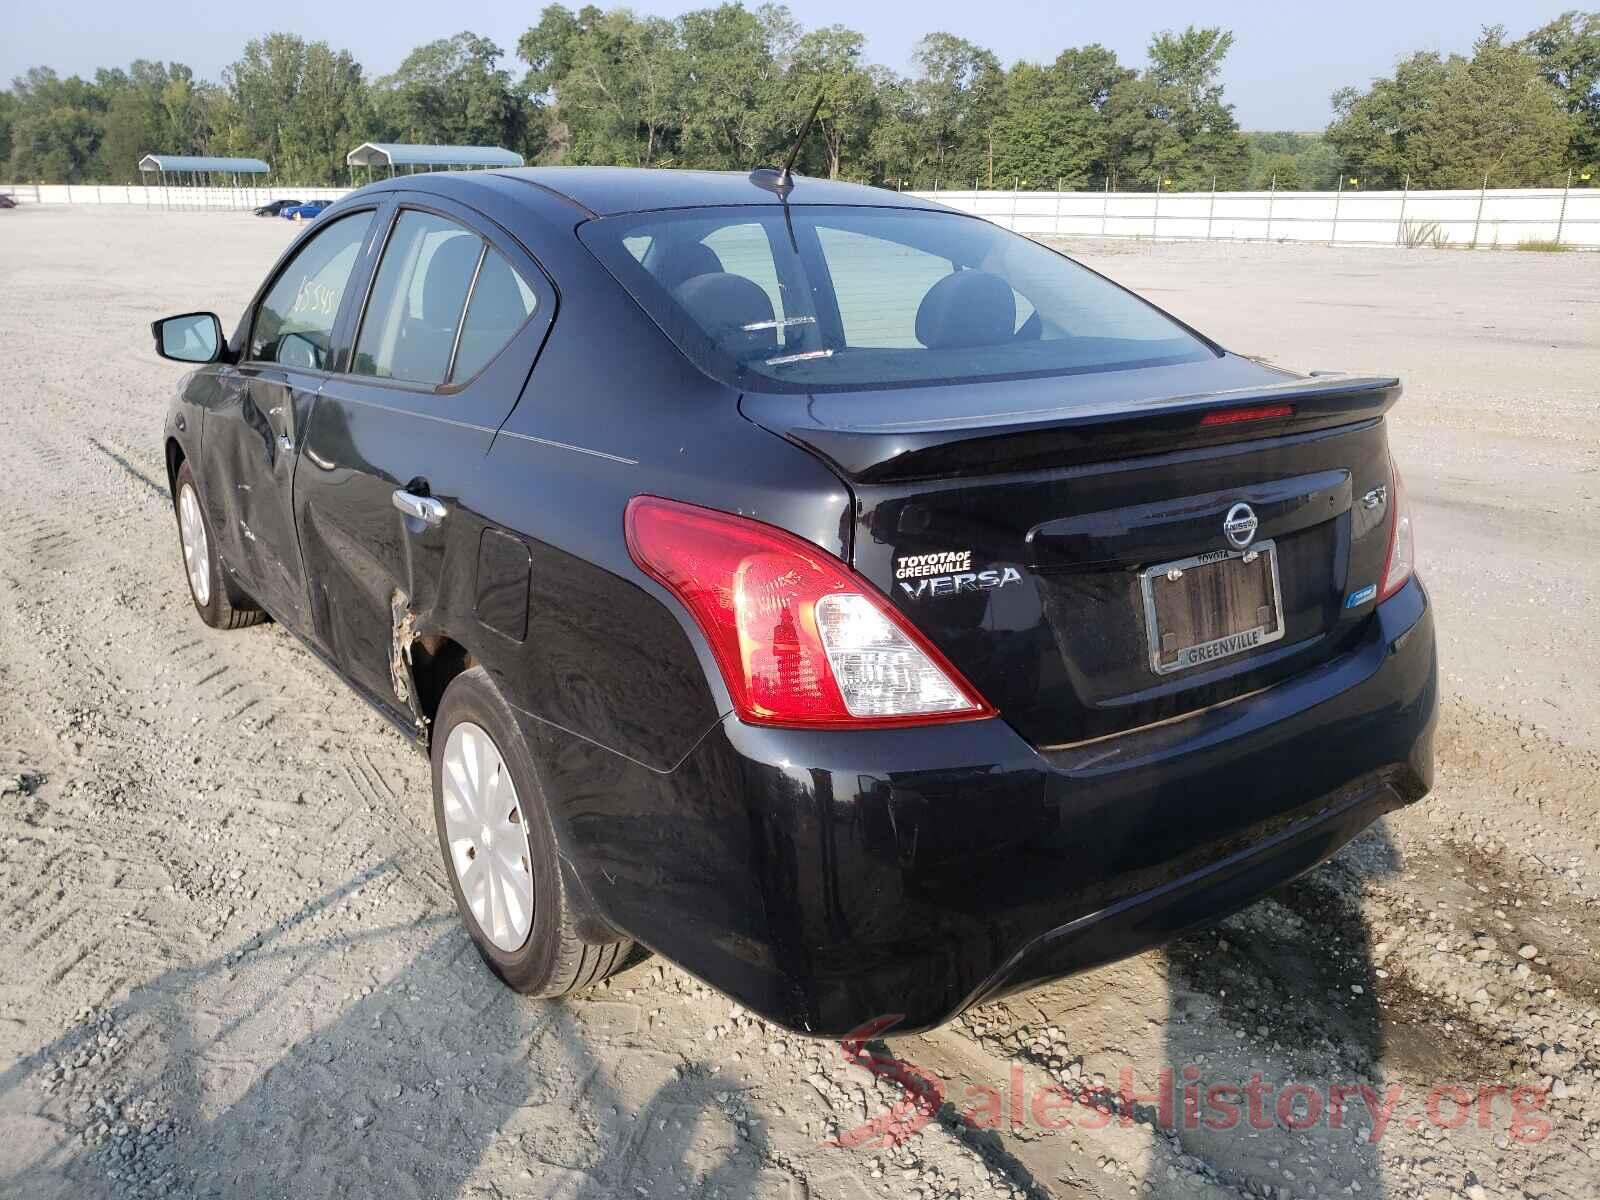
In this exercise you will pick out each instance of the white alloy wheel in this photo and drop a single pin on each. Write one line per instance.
(196, 552)
(488, 837)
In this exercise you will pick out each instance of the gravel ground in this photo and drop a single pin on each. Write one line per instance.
(231, 966)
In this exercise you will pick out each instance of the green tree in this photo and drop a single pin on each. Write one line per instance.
(1169, 125)
(331, 114)
(732, 97)
(1372, 130)
(1495, 118)
(955, 100)
(1449, 123)
(828, 61)
(8, 115)
(615, 83)
(1053, 125)
(451, 92)
(1568, 53)
(264, 83)
(1296, 160)
(1041, 135)
(56, 133)
(895, 145)
(151, 108)
(1186, 73)
(303, 105)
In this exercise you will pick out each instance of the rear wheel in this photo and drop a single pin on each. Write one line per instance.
(500, 850)
(216, 597)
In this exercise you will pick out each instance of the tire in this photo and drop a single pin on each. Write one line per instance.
(216, 597)
(477, 750)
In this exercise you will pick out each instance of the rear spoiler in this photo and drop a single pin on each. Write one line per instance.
(1069, 436)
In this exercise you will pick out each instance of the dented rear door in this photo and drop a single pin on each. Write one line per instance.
(381, 573)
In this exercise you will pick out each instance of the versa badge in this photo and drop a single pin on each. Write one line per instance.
(947, 572)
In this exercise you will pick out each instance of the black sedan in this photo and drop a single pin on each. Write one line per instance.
(864, 607)
(277, 208)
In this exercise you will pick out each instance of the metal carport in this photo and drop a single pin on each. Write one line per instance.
(396, 154)
(202, 170)
(202, 165)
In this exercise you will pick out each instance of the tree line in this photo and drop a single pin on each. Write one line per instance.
(728, 88)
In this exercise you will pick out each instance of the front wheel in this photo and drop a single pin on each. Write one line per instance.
(216, 597)
(500, 850)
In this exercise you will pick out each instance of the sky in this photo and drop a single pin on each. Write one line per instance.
(1286, 59)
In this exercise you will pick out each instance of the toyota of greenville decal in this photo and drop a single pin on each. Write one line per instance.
(947, 572)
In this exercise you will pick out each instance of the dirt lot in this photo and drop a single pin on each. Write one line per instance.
(230, 961)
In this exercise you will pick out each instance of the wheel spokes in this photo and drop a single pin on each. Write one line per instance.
(486, 831)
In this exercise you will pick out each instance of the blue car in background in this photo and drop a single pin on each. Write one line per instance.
(308, 211)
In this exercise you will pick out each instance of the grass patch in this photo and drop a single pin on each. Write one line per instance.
(1543, 245)
(1423, 233)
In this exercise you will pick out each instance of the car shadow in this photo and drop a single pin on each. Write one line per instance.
(1282, 999)
(266, 1076)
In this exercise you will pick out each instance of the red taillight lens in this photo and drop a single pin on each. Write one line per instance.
(800, 638)
(1258, 412)
(1400, 562)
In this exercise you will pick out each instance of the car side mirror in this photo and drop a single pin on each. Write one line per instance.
(190, 338)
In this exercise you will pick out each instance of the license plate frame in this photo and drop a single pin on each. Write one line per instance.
(1215, 649)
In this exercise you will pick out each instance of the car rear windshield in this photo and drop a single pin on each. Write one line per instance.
(825, 298)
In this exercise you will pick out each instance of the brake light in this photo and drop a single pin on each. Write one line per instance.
(1399, 563)
(1259, 412)
(799, 637)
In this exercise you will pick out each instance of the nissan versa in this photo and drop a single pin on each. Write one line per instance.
(866, 608)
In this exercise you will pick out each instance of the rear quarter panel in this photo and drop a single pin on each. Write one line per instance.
(613, 681)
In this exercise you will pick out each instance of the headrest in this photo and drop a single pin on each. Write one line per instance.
(723, 304)
(968, 308)
(682, 261)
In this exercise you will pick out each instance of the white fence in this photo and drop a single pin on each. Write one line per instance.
(1488, 218)
(170, 197)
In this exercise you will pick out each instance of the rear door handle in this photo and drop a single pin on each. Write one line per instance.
(424, 508)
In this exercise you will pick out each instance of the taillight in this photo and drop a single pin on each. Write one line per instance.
(800, 638)
(1401, 559)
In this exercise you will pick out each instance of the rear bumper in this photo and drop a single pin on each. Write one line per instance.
(825, 880)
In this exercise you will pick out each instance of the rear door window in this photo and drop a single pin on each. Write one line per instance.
(444, 303)
(414, 313)
(501, 304)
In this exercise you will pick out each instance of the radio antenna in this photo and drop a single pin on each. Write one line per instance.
(781, 181)
(785, 179)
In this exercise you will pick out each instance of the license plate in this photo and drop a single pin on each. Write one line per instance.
(1203, 609)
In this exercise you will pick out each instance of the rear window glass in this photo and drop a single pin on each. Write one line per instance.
(841, 298)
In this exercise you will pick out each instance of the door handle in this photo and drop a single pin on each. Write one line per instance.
(423, 508)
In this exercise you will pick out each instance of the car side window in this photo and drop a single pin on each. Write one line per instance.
(501, 304)
(293, 325)
(414, 314)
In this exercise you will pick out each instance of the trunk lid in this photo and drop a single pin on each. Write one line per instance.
(1063, 540)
